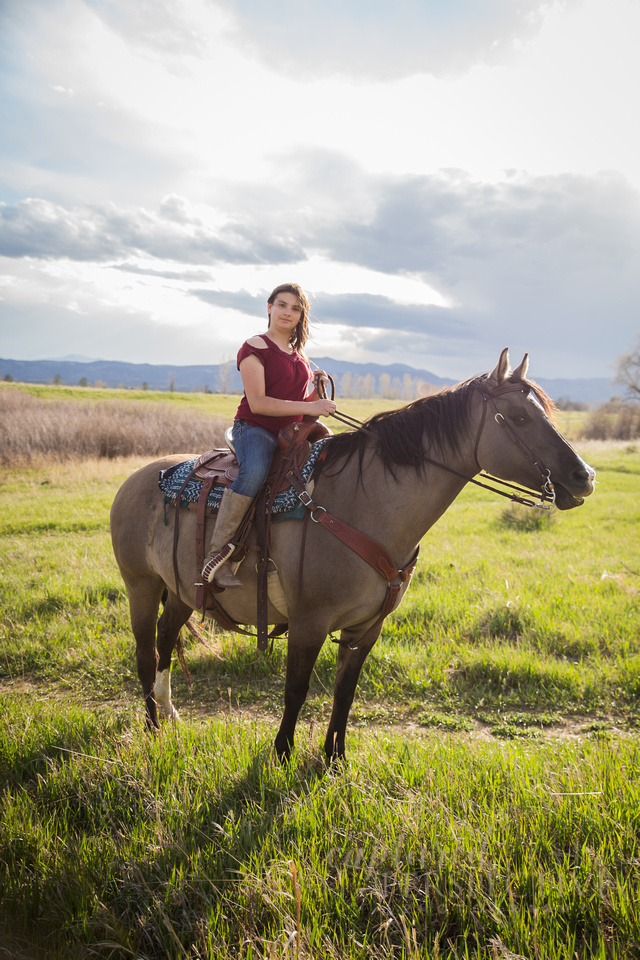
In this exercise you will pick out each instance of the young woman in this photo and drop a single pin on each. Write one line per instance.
(276, 377)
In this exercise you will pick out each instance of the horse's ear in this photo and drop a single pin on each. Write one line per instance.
(520, 372)
(501, 369)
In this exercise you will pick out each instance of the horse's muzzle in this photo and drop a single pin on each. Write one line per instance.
(583, 483)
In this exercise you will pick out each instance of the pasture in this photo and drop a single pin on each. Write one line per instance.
(491, 804)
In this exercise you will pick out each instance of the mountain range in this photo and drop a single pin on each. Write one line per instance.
(224, 378)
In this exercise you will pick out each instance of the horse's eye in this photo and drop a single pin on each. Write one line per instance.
(519, 419)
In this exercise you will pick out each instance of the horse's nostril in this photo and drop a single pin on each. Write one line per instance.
(584, 475)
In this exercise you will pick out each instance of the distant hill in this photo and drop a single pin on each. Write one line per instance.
(224, 378)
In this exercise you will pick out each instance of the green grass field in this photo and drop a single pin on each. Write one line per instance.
(490, 804)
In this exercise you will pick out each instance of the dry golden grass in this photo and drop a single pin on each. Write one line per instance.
(32, 430)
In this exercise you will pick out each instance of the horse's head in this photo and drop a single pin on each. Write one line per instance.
(518, 441)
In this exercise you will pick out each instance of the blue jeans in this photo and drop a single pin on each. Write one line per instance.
(254, 451)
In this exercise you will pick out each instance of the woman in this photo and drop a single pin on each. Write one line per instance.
(276, 377)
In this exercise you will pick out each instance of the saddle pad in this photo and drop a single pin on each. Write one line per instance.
(170, 481)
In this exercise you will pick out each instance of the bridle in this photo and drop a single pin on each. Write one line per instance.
(546, 498)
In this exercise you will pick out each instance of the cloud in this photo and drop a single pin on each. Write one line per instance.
(550, 261)
(247, 303)
(155, 25)
(555, 256)
(353, 310)
(385, 41)
(39, 228)
(367, 310)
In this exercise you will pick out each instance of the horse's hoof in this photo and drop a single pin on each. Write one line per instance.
(283, 751)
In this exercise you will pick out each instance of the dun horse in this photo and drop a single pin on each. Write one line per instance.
(392, 482)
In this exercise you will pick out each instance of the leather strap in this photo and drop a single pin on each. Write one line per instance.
(366, 547)
(262, 532)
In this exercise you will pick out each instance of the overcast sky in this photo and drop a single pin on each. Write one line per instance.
(444, 177)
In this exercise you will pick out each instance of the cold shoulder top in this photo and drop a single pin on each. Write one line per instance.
(286, 377)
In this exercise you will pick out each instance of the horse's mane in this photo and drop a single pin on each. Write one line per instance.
(443, 417)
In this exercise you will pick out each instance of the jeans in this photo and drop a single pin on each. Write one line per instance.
(254, 451)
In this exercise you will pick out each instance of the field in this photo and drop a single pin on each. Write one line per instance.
(490, 807)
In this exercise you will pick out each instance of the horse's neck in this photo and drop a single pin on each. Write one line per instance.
(397, 512)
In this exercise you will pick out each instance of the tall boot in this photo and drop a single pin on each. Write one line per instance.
(233, 507)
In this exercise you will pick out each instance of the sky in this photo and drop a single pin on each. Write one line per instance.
(443, 177)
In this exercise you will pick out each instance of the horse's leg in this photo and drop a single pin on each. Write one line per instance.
(347, 673)
(174, 616)
(301, 657)
(144, 601)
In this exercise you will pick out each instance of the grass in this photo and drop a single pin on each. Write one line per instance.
(186, 845)
(490, 805)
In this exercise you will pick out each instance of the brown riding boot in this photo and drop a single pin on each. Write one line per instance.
(233, 507)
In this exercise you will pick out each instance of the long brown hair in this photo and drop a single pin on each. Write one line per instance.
(300, 334)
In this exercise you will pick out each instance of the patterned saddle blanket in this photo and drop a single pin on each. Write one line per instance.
(286, 505)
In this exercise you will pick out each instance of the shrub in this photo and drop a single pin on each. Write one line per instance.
(613, 421)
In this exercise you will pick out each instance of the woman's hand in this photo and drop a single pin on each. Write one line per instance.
(320, 378)
(320, 408)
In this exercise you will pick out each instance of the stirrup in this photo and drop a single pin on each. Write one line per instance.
(213, 563)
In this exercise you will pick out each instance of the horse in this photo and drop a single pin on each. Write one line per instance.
(391, 480)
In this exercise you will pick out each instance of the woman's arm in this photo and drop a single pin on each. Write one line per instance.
(252, 373)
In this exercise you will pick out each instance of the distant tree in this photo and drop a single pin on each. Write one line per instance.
(346, 385)
(369, 385)
(563, 403)
(8, 378)
(57, 379)
(172, 382)
(225, 375)
(628, 371)
(409, 391)
(425, 389)
(83, 382)
(385, 385)
(145, 385)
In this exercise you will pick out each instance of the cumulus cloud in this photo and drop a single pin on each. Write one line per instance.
(247, 303)
(348, 37)
(354, 310)
(39, 228)
(546, 260)
(538, 257)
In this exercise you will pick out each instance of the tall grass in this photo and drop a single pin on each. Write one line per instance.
(32, 430)
(196, 844)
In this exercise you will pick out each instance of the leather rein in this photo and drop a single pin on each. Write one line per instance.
(521, 494)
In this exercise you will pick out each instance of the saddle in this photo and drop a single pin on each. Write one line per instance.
(220, 467)
(294, 448)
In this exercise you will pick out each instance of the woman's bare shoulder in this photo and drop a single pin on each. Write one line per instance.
(257, 341)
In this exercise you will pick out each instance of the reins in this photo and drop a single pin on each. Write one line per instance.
(521, 495)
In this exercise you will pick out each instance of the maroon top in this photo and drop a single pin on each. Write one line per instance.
(286, 377)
